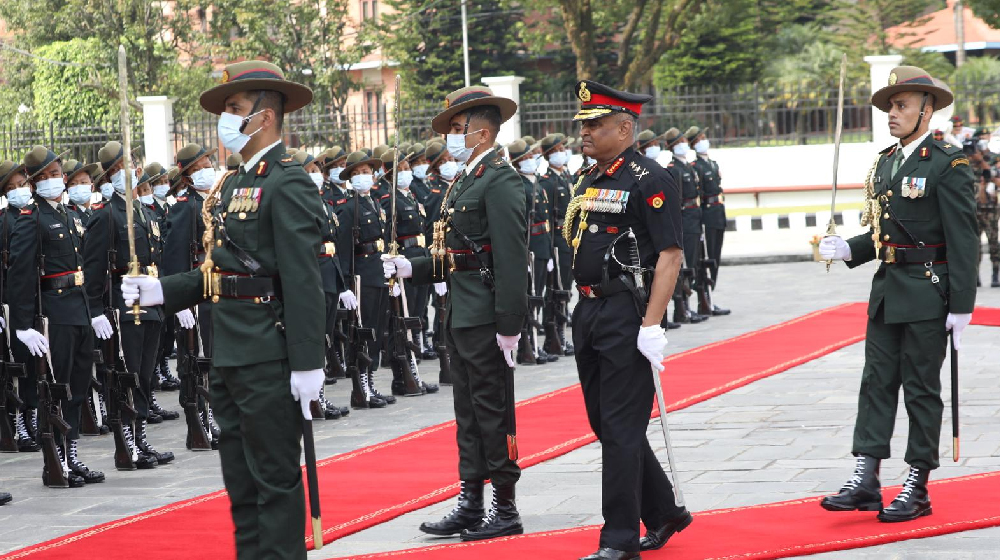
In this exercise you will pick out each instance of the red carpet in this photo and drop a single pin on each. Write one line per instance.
(986, 317)
(374, 484)
(777, 530)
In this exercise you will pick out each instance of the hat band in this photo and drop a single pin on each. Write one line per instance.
(258, 74)
(472, 95)
(598, 100)
(187, 162)
(925, 80)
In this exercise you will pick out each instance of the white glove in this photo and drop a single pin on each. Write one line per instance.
(185, 318)
(35, 342)
(3, 324)
(651, 341)
(956, 323)
(549, 266)
(305, 388)
(396, 266)
(833, 247)
(102, 327)
(440, 288)
(349, 300)
(508, 345)
(394, 290)
(144, 288)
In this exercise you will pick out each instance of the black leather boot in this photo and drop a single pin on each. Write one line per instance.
(365, 398)
(502, 520)
(604, 553)
(657, 537)
(389, 399)
(466, 515)
(716, 311)
(427, 351)
(996, 277)
(74, 480)
(155, 408)
(427, 388)
(24, 440)
(4, 498)
(863, 492)
(167, 381)
(77, 467)
(912, 501)
(141, 459)
(145, 447)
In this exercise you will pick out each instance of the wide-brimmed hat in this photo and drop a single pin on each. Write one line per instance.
(377, 151)
(72, 167)
(672, 136)
(252, 75)
(190, 154)
(912, 78)
(416, 150)
(174, 175)
(693, 131)
(518, 149)
(333, 155)
(38, 159)
(110, 154)
(551, 142)
(466, 98)
(598, 100)
(434, 151)
(233, 162)
(357, 159)
(7, 170)
(388, 157)
(647, 137)
(303, 157)
(155, 171)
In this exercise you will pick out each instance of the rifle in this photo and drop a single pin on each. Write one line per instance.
(526, 353)
(52, 428)
(10, 372)
(705, 283)
(556, 298)
(120, 383)
(89, 424)
(401, 346)
(357, 359)
(682, 292)
(195, 390)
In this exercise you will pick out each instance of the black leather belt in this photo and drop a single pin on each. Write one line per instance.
(230, 285)
(466, 260)
(364, 249)
(690, 203)
(412, 241)
(539, 228)
(595, 291)
(712, 200)
(909, 254)
(62, 280)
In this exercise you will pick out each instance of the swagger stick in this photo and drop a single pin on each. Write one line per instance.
(831, 228)
(310, 450)
(954, 400)
(133, 263)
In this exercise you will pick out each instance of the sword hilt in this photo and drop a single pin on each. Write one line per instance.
(831, 229)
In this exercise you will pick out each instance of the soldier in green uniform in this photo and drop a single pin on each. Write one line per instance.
(268, 341)
(713, 207)
(487, 273)
(921, 209)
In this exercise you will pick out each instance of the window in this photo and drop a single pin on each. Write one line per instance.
(369, 9)
(373, 104)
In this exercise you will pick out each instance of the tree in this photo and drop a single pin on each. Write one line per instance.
(986, 10)
(863, 24)
(60, 91)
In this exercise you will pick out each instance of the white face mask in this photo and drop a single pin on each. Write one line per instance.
(448, 170)
(146, 199)
(457, 148)
(107, 190)
(118, 182)
(652, 152)
(317, 179)
(160, 191)
(19, 197)
(80, 194)
(203, 179)
(983, 145)
(334, 175)
(701, 146)
(362, 183)
(420, 171)
(681, 150)
(50, 188)
(403, 179)
(558, 159)
(229, 131)
(528, 166)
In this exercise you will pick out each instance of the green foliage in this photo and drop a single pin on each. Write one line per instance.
(65, 93)
(987, 10)
(980, 69)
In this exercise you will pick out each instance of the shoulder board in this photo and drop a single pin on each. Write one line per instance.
(97, 206)
(889, 149)
(262, 168)
(341, 201)
(947, 147)
(383, 197)
(287, 161)
(179, 199)
(436, 191)
(614, 166)
(480, 171)
(328, 201)
(26, 211)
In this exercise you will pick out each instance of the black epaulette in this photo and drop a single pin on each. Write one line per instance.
(948, 147)
(889, 149)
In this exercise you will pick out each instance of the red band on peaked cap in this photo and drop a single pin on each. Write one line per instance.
(597, 99)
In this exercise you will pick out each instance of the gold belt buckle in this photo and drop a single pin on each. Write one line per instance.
(78, 278)
(890, 254)
(380, 245)
(421, 242)
(152, 271)
(216, 283)
(330, 248)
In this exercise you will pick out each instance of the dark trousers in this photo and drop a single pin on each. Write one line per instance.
(908, 355)
(692, 248)
(72, 351)
(259, 446)
(566, 268)
(477, 372)
(713, 240)
(27, 387)
(618, 394)
(166, 338)
(202, 347)
(416, 300)
(374, 304)
(140, 345)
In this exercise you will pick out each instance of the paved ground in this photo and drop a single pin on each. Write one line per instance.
(779, 438)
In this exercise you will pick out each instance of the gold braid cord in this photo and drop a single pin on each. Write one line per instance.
(208, 238)
(439, 249)
(872, 213)
(571, 235)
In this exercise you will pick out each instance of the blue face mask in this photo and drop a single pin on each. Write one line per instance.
(160, 191)
(403, 179)
(456, 146)
(50, 188)
(229, 130)
(19, 197)
(420, 171)
(335, 175)
(80, 194)
(528, 166)
(448, 170)
(558, 159)
(653, 152)
(146, 199)
(107, 190)
(362, 183)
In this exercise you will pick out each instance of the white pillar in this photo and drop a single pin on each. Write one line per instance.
(509, 87)
(881, 66)
(158, 128)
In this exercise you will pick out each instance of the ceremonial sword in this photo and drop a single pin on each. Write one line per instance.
(133, 264)
(954, 399)
(310, 450)
(831, 228)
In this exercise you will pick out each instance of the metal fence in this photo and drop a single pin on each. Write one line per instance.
(743, 115)
(82, 141)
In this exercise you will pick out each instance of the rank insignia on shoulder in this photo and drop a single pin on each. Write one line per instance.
(341, 201)
(480, 171)
(262, 168)
(656, 201)
(639, 170)
(101, 205)
(436, 191)
(26, 211)
(959, 161)
(614, 166)
(384, 196)
(925, 152)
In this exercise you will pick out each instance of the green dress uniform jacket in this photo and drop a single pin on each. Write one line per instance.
(488, 207)
(371, 223)
(713, 207)
(283, 235)
(939, 211)
(185, 229)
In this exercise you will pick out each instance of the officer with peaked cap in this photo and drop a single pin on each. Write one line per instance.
(921, 212)
(484, 236)
(616, 323)
(268, 341)
(46, 266)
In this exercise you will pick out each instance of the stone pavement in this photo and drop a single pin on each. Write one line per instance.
(780, 438)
